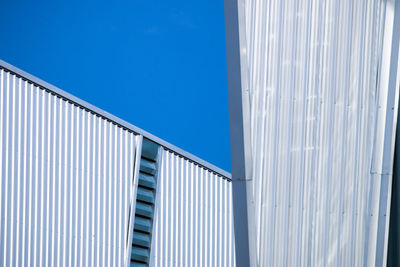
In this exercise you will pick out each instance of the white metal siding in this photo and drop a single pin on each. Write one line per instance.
(66, 181)
(321, 127)
(193, 223)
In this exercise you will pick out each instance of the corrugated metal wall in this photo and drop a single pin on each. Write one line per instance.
(193, 223)
(66, 181)
(321, 130)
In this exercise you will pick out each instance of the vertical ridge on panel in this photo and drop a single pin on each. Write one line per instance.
(2, 198)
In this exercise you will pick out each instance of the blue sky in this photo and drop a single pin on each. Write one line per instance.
(159, 65)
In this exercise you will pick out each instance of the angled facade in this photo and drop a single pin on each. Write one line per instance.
(313, 94)
(80, 187)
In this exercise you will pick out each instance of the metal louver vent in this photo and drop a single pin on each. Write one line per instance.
(145, 199)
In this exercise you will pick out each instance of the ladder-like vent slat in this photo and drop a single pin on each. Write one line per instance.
(144, 209)
(147, 180)
(148, 166)
(145, 195)
(149, 150)
(141, 239)
(140, 254)
(143, 224)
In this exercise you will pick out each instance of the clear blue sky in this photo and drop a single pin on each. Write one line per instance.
(159, 65)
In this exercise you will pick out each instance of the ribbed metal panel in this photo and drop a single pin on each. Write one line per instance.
(66, 185)
(322, 107)
(193, 216)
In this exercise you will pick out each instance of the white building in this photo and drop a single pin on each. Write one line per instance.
(80, 187)
(313, 91)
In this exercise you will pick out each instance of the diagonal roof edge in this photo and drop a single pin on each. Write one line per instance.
(110, 117)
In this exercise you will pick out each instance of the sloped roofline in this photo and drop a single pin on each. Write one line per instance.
(126, 125)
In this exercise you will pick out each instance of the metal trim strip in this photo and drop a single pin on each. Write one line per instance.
(239, 116)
